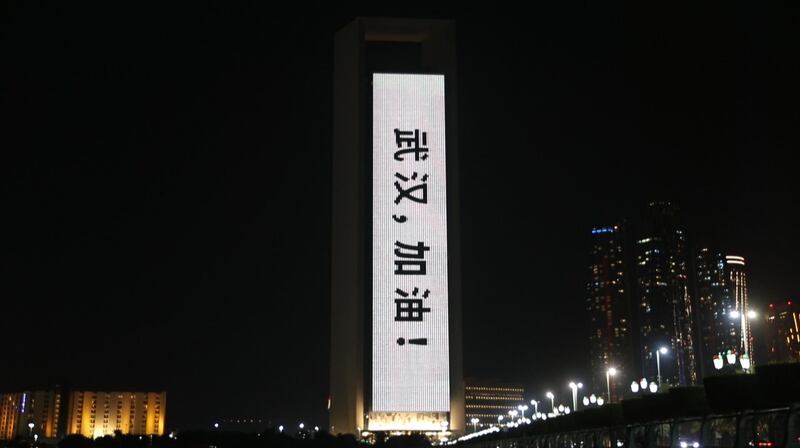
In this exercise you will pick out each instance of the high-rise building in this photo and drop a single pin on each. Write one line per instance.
(96, 414)
(30, 413)
(396, 360)
(783, 332)
(723, 309)
(608, 306)
(487, 401)
(9, 415)
(663, 299)
(742, 314)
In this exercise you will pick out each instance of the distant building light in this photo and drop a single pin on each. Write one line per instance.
(735, 259)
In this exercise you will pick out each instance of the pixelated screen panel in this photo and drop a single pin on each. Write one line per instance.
(410, 358)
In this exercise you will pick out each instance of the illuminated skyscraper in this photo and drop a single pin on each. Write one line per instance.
(42, 408)
(718, 332)
(662, 296)
(783, 332)
(608, 306)
(395, 251)
(723, 309)
(742, 314)
(487, 401)
(96, 414)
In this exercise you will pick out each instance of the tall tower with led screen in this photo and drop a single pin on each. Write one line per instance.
(395, 274)
(608, 306)
(662, 296)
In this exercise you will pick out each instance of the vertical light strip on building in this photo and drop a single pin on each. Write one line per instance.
(410, 347)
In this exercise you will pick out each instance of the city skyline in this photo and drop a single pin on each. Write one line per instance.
(168, 191)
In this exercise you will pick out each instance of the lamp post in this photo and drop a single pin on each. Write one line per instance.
(731, 356)
(745, 360)
(474, 424)
(609, 373)
(575, 387)
(522, 409)
(30, 430)
(718, 362)
(659, 352)
(535, 405)
(552, 401)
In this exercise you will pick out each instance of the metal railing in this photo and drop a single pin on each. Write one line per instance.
(773, 428)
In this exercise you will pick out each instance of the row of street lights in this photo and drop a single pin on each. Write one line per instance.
(642, 385)
(587, 401)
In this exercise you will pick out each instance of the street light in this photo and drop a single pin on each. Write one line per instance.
(745, 360)
(535, 405)
(513, 415)
(474, 424)
(30, 429)
(731, 356)
(718, 362)
(575, 388)
(552, 401)
(659, 352)
(609, 373)
(522, 409)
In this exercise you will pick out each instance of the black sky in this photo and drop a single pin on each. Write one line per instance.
(166, 186)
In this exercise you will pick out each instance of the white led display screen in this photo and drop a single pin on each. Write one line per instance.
(410, 347)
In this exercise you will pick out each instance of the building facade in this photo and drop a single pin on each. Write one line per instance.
(783, 332)
(608, 307)
(95, 414)
(723, 308)
(663, 299)
(31, 413)
(489, 401)
(741, 314)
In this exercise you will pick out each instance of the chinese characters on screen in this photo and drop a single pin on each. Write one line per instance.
(410, 256)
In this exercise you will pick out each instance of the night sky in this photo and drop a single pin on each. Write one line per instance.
(166, 186)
